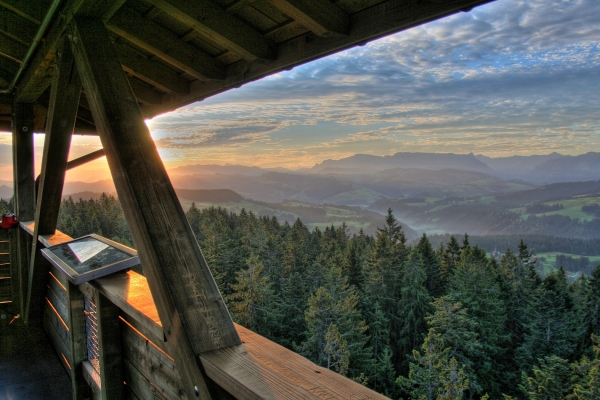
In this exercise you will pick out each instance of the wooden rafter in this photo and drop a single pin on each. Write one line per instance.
(165, 44)
(151, 71)
(322, 17)
(226, 30)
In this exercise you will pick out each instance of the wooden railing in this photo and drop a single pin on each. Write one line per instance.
(135, 357)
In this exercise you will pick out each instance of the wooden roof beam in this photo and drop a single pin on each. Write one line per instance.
(225, 29)
(150, 71)
(321, 17)
(16, 27)
(143, 93)
(31, 10)
(13, 50)
(37, 75)
(165, 44)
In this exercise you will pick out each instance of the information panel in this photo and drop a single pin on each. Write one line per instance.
(90, 257)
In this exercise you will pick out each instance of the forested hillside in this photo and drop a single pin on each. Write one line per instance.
(412, 322)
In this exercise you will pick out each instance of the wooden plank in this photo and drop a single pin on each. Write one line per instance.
(130, 292)
(151, 71)
(192, 310)
(77, 341)
(226, 30)
(60, 331)
(62, 111)
(53, 331)
(261, 369)
(322, 17)
(58, 297)
(151, 363)
(109, 342)
(165, 44)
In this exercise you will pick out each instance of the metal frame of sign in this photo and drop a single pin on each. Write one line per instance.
(78, 278)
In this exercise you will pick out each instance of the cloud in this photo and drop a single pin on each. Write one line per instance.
(511, 77)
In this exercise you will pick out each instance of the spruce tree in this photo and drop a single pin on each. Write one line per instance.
(474, 284)
(413, 307)
(432, 267)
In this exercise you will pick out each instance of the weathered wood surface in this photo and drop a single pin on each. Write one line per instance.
(192, 310)
(322, 17)
(165, 44)
(62, 111)
(222, 28)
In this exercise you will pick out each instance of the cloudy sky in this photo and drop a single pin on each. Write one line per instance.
(511, 77)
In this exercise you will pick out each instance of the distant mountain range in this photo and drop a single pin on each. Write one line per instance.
(549, 168)
(365, 163)
(363, 179)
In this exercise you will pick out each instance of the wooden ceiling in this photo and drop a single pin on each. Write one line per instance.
(176, 52)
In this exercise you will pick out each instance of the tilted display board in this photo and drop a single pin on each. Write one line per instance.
(90, 257)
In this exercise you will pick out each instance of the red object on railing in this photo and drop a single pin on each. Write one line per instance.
(9, 221)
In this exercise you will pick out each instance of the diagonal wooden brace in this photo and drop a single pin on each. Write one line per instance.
(192, 311)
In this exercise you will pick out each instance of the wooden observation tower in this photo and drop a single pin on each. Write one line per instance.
(100, 67)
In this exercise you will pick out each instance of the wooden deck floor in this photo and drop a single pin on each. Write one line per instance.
(29, 367)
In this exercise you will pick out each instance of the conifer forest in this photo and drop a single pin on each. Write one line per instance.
(421, 321)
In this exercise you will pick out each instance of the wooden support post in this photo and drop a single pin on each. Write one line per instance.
(62, 111)
(77, 340)
(22, 133)
(109, 343)
(193, 313)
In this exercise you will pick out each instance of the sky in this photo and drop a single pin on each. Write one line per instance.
(508, 78)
